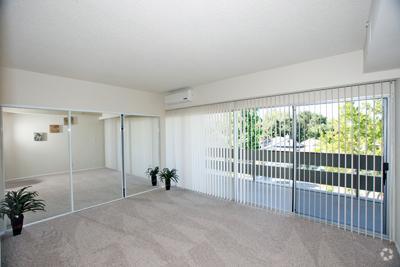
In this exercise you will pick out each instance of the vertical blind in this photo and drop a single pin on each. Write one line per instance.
(320, 154)
(200, 146)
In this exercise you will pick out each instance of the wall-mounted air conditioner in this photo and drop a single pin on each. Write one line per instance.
(178, 97)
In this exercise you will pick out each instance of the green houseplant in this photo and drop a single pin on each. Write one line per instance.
(16, 203)
(167, 175)
(152, 173)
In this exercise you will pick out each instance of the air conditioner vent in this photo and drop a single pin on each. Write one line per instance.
(178, 97)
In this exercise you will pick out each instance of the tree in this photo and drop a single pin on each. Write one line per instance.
(250, 129)
(309, 125)
(358, 130)
(277, 124)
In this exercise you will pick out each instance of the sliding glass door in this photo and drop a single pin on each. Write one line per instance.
(341, 158)
(319, 154)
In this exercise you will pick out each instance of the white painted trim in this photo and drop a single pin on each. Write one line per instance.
(79, 210)
(98, 205)
(391, 153)
(46, 219)
(67, 213)
(394, 160)
(123, 175)
(71, 177)
(235, 156)
(139, 193)
(3, 225)
(109, 117)
(24, 111)
(159, 144)
(53, 173)
(77, 110)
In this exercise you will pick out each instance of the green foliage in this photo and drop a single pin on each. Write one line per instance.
(359, 130)
(152, 172)
(167, 174)
(250, 129)
(277, 124)
(18, 202)
(309, 125)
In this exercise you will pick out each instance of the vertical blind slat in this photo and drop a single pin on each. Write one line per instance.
(264, 153)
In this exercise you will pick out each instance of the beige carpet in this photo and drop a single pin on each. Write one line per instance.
(183, 228)
(91, 187)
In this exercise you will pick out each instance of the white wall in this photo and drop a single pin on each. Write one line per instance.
(321, 73)
(381, 49)
(20, 87)
(25, 157)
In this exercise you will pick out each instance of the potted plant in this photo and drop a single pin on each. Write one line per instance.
(152, 173)
(167, 175)
(16, 203)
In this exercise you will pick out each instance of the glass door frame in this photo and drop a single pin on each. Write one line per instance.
(295, 160)
(385, 160)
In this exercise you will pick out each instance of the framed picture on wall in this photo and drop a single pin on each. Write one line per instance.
(73, 120)
(55, 128)
(39, 137)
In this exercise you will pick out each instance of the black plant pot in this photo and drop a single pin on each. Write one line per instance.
(17, 223)
(167, 184)
(154, 180)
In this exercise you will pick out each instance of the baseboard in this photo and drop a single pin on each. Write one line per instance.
(2, 232)
(52, 173)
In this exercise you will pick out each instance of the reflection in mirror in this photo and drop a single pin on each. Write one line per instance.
(39, 151)
(96, 158)
(141, 147)
(36, 154)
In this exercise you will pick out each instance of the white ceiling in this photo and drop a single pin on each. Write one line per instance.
(382, 49)
(160, 45)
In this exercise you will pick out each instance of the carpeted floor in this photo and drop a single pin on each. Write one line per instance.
(91, 187)
(183, 228)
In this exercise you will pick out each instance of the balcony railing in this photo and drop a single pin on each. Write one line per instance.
(342, 189)
(358, 172)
